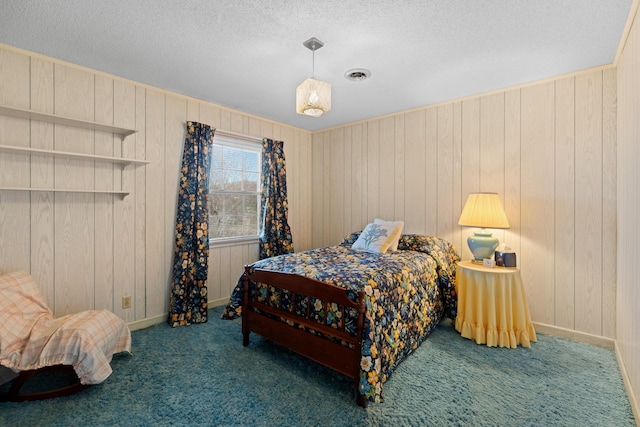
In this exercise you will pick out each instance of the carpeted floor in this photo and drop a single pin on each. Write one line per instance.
(202, 375)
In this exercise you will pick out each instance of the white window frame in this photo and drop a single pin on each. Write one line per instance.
(256, 146)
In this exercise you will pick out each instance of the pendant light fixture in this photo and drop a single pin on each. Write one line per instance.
(313, 97)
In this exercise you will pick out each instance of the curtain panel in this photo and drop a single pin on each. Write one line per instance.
(275, 234)
(188, 297)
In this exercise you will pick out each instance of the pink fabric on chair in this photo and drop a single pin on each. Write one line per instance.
(31, 338)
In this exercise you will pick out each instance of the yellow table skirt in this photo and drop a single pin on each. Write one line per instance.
(496, 337)
(492, 306)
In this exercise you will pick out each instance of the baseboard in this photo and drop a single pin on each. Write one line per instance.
(162, 318)
(218, 302)
(147, 322)
(570, 334)
(635, 407)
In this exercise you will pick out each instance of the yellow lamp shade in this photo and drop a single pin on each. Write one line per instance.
(484, 210)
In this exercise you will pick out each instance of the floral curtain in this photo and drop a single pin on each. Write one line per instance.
(188, 298)
(275, 234)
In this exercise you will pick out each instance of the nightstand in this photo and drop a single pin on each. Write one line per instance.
(492, 306)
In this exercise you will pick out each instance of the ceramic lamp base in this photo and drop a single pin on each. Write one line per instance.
(482, 245)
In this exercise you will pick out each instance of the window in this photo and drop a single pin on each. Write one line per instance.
(234, 189)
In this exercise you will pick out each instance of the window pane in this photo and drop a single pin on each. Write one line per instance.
(251, 161)
(232, 204)
(233, 214)
(216, 228)
(215, 172)
(251, 215)
(232, 158)
(232, 180)
(215, 216)
(249, 204)
(216, 157)
(251, 180)
(215, 205)
(216, 179)
(234, 226)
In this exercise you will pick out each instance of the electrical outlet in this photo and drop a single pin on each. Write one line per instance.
(126, 301)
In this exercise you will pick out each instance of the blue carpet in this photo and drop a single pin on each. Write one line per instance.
(202, 375)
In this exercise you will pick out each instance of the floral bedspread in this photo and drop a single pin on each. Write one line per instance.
(407, 294)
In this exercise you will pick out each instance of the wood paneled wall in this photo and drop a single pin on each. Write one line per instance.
(86, 251)
(548, 149)
(628, 184)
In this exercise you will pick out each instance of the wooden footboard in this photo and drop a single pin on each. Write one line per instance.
(275, 324)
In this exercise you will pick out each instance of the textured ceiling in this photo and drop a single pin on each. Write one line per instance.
(248, 55)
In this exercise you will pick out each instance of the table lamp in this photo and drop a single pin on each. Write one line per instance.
(483, 210)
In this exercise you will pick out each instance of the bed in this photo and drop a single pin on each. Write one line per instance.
(357, 312)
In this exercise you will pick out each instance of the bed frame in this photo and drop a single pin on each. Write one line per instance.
(261, 319)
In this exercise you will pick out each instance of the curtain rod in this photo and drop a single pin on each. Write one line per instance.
(241, 136)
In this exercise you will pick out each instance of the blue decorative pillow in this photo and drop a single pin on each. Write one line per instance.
(377, 238)
(398, 224)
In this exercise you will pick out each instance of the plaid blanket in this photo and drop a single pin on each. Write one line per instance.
(31, 338)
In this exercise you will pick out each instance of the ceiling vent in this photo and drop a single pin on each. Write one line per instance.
(357, 74)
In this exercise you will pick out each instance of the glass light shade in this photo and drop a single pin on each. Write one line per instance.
(483, 210)
(313, 97)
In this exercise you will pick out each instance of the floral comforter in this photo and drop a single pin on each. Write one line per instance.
(407, 294)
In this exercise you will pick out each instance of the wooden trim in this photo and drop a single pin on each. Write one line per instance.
(633, 10)
(236, 135)
(635, 408)
(574, 335)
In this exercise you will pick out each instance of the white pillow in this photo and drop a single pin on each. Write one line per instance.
(376, 238)
(398, 224)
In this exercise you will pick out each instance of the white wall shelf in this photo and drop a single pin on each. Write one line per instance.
(123, 132)
(69, 155)
(21, 113)
(65, 190)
